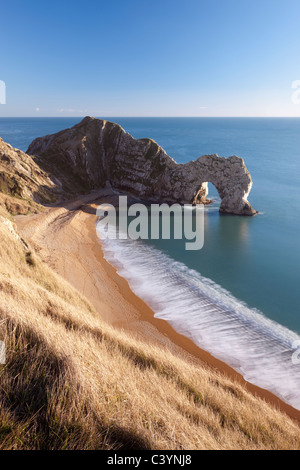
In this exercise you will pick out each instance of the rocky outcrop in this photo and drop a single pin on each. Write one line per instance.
(95, 152)
(23, 184)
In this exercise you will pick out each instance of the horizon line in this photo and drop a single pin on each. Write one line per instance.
(149, 117)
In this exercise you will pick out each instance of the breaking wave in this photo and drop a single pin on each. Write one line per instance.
(255, 346)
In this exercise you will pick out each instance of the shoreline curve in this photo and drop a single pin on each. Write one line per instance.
(73, 249)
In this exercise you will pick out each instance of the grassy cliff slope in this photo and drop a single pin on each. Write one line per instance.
(73, 382)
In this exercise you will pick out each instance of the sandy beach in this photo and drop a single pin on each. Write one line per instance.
(65, 238)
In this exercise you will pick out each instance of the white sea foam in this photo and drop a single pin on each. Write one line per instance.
(257, 347)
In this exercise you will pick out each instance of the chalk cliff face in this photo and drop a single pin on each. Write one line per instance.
(93, 152)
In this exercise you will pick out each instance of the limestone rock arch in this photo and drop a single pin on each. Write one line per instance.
(94, 151)
(229, 176)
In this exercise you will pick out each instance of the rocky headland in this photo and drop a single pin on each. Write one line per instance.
(96, 152)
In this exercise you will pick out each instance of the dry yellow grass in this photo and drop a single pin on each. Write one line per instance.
(73, 382)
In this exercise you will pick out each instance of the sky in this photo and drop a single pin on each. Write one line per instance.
(150, 58)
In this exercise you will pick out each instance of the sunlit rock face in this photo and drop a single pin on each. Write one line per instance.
(95, 152)
(22, 178)
(230, 177)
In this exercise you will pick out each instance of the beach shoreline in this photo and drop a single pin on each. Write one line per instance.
(65, 237)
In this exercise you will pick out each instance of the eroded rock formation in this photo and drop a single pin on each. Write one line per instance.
(93, 152)
(23, 184)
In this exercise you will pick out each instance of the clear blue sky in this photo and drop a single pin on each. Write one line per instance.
(150, 58)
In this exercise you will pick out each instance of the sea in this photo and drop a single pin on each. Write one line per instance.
(239, 296)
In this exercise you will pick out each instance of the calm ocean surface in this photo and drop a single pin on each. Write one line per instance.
(239, 296)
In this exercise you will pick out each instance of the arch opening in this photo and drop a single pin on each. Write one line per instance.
(206, 188)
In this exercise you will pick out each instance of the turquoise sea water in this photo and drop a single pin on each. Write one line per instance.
(234, 296)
